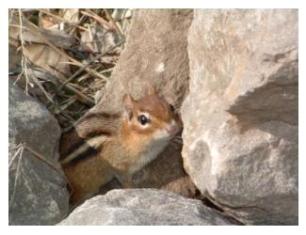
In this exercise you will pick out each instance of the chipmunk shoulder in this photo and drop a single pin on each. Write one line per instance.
(105, 146)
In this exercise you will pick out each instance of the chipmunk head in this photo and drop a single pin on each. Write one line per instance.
(151, 117)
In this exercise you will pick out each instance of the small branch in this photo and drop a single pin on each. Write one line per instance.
(41, 158)
(79, 71)
(19, 153)
(110, 18)
(81, 97)
(24, 64)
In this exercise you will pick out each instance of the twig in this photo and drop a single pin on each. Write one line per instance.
(78, 24)
(110, 18)
(68, 117)
(70, 101)
(79, 71)
(19, 153)
(107, 70)
(41, 158)
(37, 82)
(83, 98)
(23, 59)
(82, 78)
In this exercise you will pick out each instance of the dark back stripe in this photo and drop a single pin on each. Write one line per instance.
(70, 141)
(91, 125)
(95, 133)
(76, 142)
(88, 153)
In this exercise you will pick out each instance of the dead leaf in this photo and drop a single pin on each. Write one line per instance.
(45, 57)
(98, 40)
(71, 15)
(48, 22)
(38, 35)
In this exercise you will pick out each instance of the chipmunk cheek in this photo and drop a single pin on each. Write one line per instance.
(161, 134)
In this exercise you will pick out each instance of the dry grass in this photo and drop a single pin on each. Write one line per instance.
(65, 56)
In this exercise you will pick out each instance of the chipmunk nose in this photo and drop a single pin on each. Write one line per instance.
(173, 128)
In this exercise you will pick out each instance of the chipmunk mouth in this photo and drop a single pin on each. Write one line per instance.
(168, 132)
(172, 129)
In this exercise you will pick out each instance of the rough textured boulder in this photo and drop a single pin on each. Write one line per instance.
(37, 188)
(144, 207)
(240, 117)
(156, 54)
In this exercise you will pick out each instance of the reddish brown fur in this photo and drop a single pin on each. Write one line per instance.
(122, 150)
(158, 109)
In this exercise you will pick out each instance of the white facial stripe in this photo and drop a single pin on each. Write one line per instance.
(96, 141)
(161, 134)
(145, 114)
(165, 132)
(93, 142)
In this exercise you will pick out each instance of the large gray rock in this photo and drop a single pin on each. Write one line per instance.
(144, 207)
(37, 188)
(155, 53)
(240, 117)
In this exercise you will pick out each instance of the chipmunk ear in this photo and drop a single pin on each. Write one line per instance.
(128, 104)
(150, 89)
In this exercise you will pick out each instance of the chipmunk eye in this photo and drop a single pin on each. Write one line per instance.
(143, 119)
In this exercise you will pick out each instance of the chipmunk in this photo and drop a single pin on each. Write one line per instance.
(103, 146)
